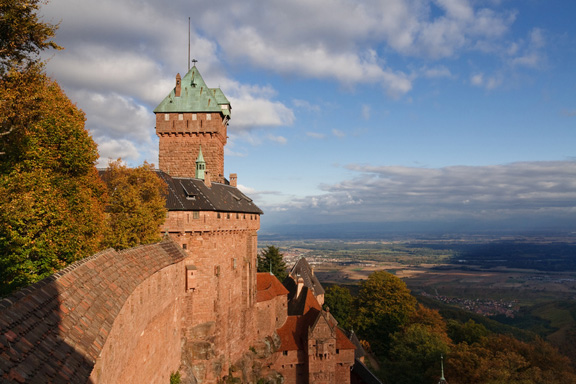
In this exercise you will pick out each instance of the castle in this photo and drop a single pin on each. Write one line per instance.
(193, 303)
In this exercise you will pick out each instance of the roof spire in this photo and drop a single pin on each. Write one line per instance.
(442, 379)
(200, 165)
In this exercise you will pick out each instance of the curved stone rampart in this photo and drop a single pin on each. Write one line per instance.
(55, 330)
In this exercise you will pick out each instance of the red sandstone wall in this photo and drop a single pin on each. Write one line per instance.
(180, 140)
(271, 315)
(344, 362)
(143, 345)
(220, 315)
(183, 224)
(292, 366)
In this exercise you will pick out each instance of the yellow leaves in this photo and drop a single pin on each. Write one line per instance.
(136, 206)
(51, 198)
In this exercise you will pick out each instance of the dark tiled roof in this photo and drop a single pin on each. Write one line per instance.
(188, 194)
(363, 374)
(302, 269)
(360, 352)
(268, 287)
(54, 330)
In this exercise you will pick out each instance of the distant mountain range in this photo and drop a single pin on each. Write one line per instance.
(412, 230)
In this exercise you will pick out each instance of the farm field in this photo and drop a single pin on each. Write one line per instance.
(526, 283)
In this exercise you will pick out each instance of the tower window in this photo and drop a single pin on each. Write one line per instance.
(208, 116)
(166, 117)
(194, 117)
(180, 116)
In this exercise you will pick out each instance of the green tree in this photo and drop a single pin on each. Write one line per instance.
(22, 34)
(51, 198)
(341, 304)
(384, 305)
(469, 332)
(415, 354)
(270, 259)
(136, 207)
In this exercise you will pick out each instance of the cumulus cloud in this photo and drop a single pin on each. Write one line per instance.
(315, 135)
(487, 82)
(338, 133)
(530, 53)
(128, 57)
(528, 191)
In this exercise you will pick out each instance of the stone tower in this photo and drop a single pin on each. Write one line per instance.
(192, 115)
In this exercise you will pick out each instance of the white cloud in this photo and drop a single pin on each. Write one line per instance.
(306, 105)
(487, 82)
(338, 133)
(127, 58)
(252, 112)
(277, 139)
(531, 53)
(519, 191)
(112, 149)
(315, 135)
(366, 112)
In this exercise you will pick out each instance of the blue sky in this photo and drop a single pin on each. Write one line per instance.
(367, 111)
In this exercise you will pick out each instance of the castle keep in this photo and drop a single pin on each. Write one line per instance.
(192, 303)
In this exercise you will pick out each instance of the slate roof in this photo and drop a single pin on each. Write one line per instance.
(268, 287)
(302, 269)
(360, 352)
(53, 331)
(189, 194)
(363, 374)
(195, 96)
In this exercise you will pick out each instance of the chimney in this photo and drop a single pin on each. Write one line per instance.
(178, 86)
(207, 180)
(300, 286)
(233, 180)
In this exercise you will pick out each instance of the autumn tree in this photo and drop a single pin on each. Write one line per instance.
(51, 198)
(384, 304)
(503, 359)
(136, 207)
(270, 259)
(415, 350)
(23, 35)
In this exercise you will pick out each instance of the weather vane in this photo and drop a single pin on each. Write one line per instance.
(194, 61)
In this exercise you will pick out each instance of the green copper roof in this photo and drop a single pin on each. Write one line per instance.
(200, 165)
(195, 96)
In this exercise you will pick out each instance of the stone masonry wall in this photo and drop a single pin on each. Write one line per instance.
(219, 325)
(144, 344)
(98, 312)
(180, 141)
